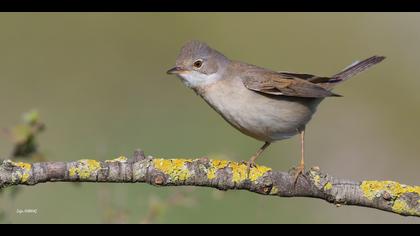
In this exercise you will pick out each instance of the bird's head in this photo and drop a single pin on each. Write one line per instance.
(198, 65)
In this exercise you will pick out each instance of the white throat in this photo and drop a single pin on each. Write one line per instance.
(194, 79)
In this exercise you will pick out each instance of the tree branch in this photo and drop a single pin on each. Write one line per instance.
(224, 175)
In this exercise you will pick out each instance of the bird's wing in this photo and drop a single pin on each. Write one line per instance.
(286, 84)
(312, 78)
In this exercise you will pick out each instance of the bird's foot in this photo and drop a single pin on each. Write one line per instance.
(249, 164)
(298, 171)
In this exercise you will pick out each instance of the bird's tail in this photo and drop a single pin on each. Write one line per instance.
(352, 70)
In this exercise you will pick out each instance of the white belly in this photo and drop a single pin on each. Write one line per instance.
(263, 118)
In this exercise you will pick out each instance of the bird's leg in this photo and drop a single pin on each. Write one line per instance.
(301, 167)
(251, 162)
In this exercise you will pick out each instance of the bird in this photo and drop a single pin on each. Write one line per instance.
(261, 103)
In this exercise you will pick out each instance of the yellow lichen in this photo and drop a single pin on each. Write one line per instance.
(215, 166)
(316, 178)
(119, 159)
(24, 173)
(257, 172)
(85, 168)
(176, 169)
(73, 171)
(372, 189)
(274, 190)
(401, 207)
(24, 165)
(211, 173)
(25, 177)
(240, 172)
(328, 186)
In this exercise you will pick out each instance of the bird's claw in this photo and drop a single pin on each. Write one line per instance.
(249, 164)
(298, 171)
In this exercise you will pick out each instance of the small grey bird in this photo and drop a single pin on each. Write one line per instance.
(264, 104)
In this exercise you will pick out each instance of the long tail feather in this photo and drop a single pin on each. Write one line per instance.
(354, 69)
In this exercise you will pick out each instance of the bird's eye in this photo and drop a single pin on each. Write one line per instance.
(198, 63)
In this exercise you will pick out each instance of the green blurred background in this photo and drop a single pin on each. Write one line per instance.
(99, 83)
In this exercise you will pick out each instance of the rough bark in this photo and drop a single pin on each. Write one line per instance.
(221, 174)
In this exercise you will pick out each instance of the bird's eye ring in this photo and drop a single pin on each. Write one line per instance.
(198, 63)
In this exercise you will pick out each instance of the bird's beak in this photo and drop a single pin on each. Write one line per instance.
(175, 70)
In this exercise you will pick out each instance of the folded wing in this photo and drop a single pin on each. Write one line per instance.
(287, 84)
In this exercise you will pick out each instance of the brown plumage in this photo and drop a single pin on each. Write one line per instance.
(304, 85)
(261, 103)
